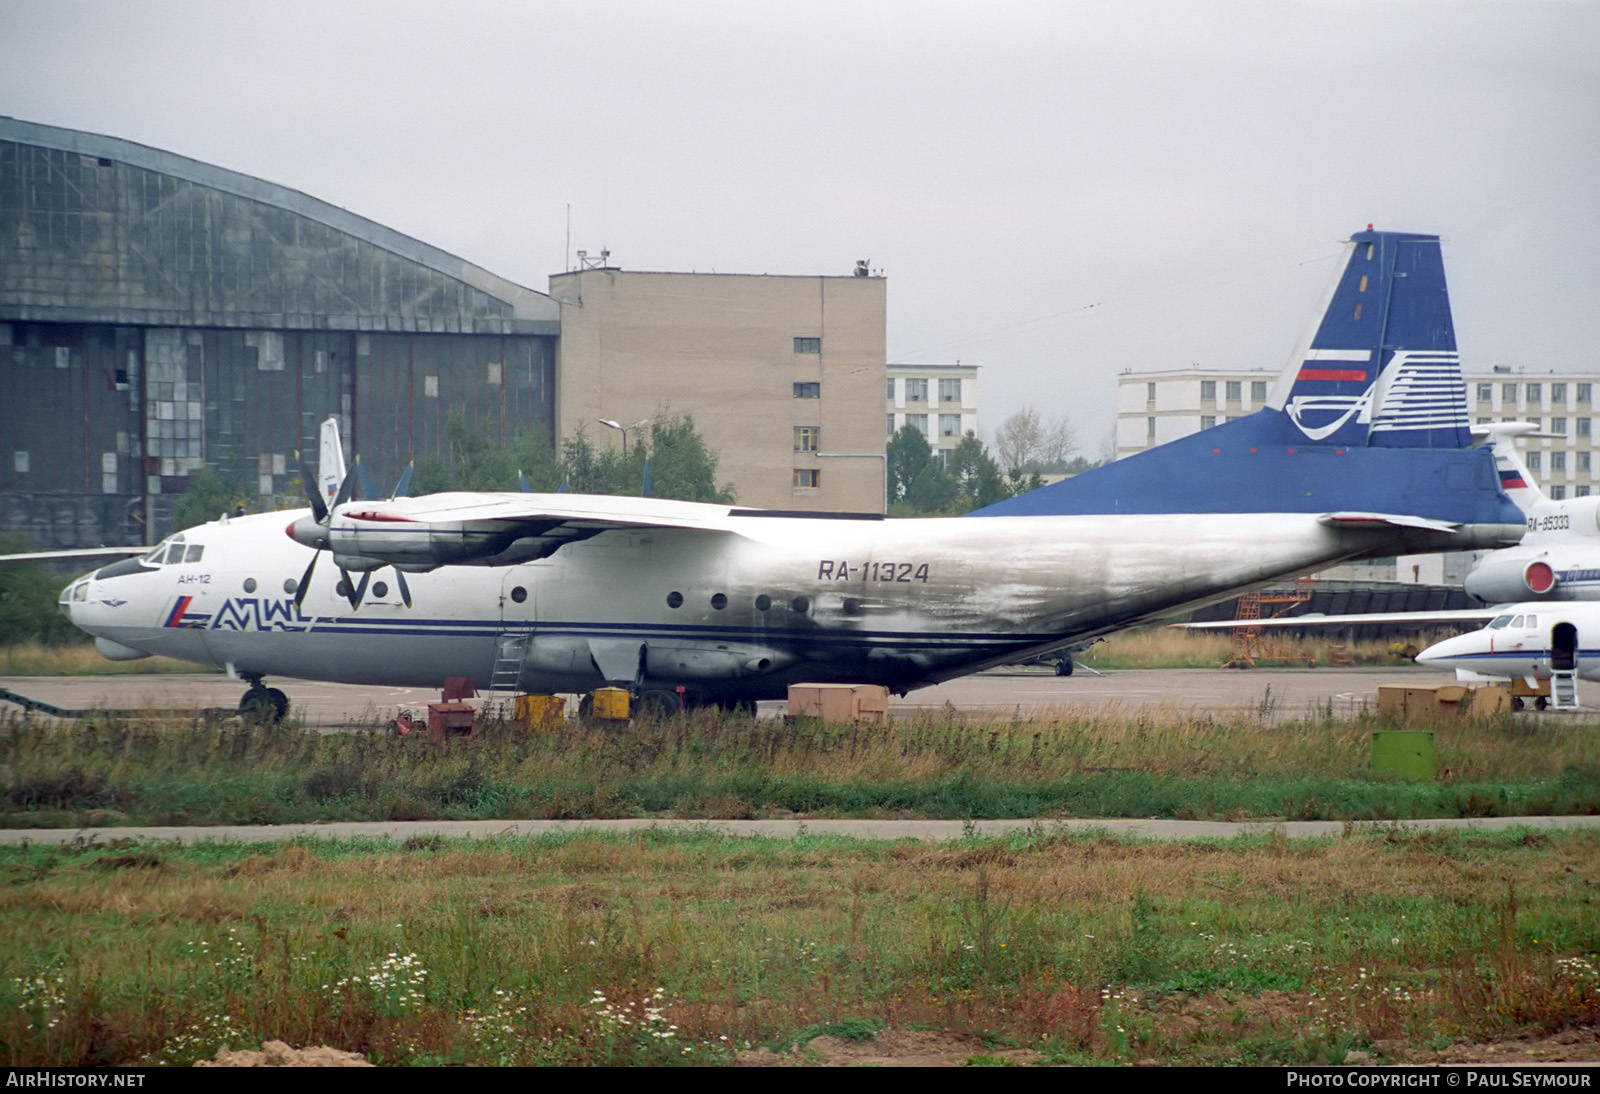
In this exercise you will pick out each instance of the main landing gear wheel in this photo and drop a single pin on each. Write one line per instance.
(264, 704)
(656, 705)
(1064, 667)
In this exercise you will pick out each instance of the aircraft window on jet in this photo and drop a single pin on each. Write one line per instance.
(1500, 621)
(250, 584)
(80, 591)
(1533, 621)
(800, 604)
(852, 606)
(674, 599)
(155, 556)
(518, 593)
(290, 585)
(381, 589)
(1517, 622)
(194, 553)
(719, 601)
(174, 553)
(763, 602)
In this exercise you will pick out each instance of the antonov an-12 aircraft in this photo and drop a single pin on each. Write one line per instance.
(1362, 451)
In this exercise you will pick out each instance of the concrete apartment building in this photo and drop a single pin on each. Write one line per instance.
(781, 374)
(940, 400)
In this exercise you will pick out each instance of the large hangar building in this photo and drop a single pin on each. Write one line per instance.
(159, 315)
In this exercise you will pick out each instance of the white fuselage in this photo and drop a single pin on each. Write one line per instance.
(1527, 640)
(743, 611)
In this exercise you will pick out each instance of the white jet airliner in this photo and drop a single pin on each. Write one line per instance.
(1362, 451)
(1559, 557)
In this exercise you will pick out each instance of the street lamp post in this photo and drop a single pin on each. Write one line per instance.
(623, 429)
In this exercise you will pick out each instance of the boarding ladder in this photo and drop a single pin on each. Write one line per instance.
(1564, 689)
(510, 652)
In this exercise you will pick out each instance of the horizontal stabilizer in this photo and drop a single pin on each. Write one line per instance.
(1386, 520)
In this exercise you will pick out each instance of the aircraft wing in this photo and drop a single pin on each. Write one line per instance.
(487, 529)
(78, 554)
(1356, 619)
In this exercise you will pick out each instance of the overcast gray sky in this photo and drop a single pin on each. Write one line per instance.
(1057, 190)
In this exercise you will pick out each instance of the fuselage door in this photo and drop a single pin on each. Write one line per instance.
(1563, 647)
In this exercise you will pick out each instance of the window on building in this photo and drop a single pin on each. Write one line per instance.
(1535, 392)
(808, 345)
(1581, 492)
(890, 396)
(916, 391)
(1234, 390)
(1583, 392)
(807, 438)
(807, 478)
(1534, 461)
(1558, 393)
(1582, 426)
(889, 430)
(1150, 428)
(1537, 423)
(944, 458)
(1258, 391)
(1557, 493)
(1208, 390)
(1483, 421)
(950, 391)
(1558, 425)
(919, 422)
(949, 425)
(809, 390)
(1207, 421)
(1150, 393)
(1508, 395)
(1558, 461)
(1485, 393)
(1583, 461)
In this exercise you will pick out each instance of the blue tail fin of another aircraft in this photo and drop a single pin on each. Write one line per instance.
(1369, 416)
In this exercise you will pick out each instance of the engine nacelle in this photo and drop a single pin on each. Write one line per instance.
(1498, 581)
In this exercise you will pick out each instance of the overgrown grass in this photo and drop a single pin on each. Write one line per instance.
(1105, 764)
(1169, 648)
(40, 659)
(657, 948)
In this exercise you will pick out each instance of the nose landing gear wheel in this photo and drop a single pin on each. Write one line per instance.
(263, 704)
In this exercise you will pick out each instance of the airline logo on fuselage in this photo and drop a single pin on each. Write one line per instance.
(245, 613)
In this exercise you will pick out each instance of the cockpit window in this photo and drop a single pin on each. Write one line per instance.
(1517, 622)
(1501, 621)
(175, 553)
(1532, 621)
(194, 553)
(155, 556)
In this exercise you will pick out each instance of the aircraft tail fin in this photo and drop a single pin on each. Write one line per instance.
(1515, 479)
(1379, 366)
(1370, 416)
(330, 461)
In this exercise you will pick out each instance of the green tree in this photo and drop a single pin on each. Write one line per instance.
(977, 476)
(28, 594)
(208, 497)
(682, 466)
(908, 453)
